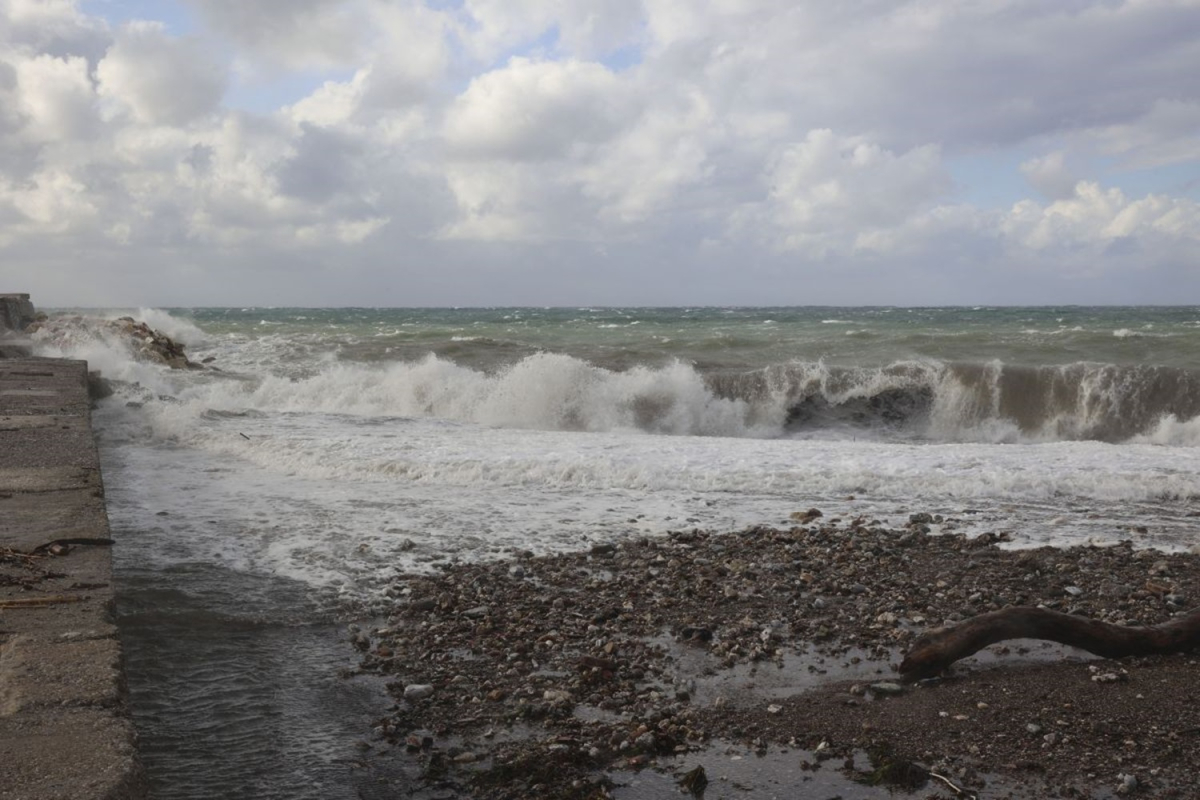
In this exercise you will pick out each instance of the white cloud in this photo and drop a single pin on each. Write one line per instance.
(57, 96)
(536, 110)
(831, 193)
(164, 81)
(1094, 217)
(332, 103)
(664, 151)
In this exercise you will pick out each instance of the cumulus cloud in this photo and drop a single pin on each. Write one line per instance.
(163, 81)
(832, 193)
(535, 110)
(1094, 217)
(57, 97)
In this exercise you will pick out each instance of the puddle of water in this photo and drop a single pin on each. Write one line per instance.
(791, 672)
(734, 771)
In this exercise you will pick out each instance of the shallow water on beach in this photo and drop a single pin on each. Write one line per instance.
(260, 508)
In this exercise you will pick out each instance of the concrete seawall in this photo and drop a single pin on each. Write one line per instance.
(65, 733)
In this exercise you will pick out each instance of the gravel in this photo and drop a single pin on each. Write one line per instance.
(626, 667)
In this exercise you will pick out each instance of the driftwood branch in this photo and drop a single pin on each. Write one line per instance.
(940, 648)
(39, 602)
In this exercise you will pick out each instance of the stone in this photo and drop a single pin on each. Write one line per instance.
(1127, 784)
(887, 688)
(418, 691)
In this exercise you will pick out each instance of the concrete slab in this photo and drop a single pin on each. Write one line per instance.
(67, 754)
(64, 727)
(56, 672)
(44, 479)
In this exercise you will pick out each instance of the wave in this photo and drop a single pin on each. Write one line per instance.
(916, 401)
(919, 400)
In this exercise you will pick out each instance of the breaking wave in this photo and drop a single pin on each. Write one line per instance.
(919, 400)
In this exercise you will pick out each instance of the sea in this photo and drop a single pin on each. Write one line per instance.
(264, 503)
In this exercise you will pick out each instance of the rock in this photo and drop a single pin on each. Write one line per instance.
(694, 781)
(556, 696)
(98, 386)
(419, 740)
(418, 691)
(1127, 784)
(1034, 728)
(887, 688)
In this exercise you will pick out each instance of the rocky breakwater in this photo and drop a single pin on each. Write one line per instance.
(16, 311)
(64, 728)
(142, 341)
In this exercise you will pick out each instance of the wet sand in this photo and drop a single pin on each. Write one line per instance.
(760, 664)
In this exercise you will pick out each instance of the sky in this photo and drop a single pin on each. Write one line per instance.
(624, 152)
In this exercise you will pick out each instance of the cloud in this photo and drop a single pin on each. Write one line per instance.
(585, 31)
(536, 110)
(738, 148)
(289, 33)
(831, 193)
(162, 80)
(1168, 133)
(56, 97)
(1093, 218)
(1050, 176)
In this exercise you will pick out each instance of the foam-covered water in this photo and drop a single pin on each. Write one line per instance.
(336, 447)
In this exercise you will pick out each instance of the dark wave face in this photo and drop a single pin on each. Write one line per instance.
(932, 400)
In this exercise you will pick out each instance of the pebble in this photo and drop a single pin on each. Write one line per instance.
(1128, 784)
(1034, 728)
(418, 691)
(887, 688)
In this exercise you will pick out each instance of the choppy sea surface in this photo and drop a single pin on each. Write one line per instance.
(335, 448)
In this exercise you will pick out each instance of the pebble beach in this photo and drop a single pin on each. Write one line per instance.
(654, 665)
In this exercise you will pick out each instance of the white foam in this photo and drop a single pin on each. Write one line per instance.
(332, 499)
(324, 471)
